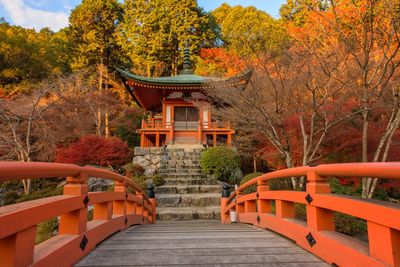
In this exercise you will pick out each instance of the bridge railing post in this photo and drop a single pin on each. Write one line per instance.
(75, 222)
(319, 219)
(139, 206)
(224, 201)
(263, 206)
(384, 243)
(238, 207)
(152, 196)
(119, 206)
(17, 249)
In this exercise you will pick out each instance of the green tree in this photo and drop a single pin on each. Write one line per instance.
(27, 56)
(297, 11)
(247, 30)
(153, 33)
(92, 28)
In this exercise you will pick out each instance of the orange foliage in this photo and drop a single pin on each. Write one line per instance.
(219, 62)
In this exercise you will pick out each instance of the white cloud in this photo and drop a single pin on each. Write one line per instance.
(23, 15)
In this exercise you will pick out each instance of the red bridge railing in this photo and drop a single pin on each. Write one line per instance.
(112, 211)
(318, 234)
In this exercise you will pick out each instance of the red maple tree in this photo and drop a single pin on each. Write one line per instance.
(95, 150)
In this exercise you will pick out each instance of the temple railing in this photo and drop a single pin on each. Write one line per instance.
(156, 125)
(220, 125)
(112, 211)
(318, 234)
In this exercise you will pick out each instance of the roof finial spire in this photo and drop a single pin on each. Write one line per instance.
(187, 64)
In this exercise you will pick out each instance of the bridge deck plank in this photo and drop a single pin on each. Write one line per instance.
(198, 243)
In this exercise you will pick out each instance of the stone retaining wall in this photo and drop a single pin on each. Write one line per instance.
(149, 159)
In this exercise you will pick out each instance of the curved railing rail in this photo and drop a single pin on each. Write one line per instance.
(112, 211)
(318, 234)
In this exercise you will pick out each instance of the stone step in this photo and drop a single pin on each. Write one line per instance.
(189, 181)
(173, 175)
(188, 170)
(188, 200)
(183, 166)
(183, 162)
(183, 157)
(188, 189)
(194, 175)
(189, 213)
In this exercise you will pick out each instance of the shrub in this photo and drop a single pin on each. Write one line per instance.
(95, 150)
(134, 169)
(247, 178)
(158, 180)
(142, 180)
(45, 230)
(220, 162)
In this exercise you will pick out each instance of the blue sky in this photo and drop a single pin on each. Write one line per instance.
(54, 13)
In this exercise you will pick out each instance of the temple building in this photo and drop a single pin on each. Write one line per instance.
(179, 109)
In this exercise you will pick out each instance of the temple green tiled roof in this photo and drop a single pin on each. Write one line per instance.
(181, 79)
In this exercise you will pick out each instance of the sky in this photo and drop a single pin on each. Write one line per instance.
(38, 14)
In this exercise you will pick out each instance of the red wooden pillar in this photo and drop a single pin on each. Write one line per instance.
(142, 137)
(214, 138)
(157, 139)
(199, 133)
(229, 139)
(171, 133)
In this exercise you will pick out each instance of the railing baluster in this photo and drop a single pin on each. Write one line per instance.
(263, 206)
(318, 218)
(139, 206)
(119, 206)
(75, 221)
(284, 209)
(17, 249)
(384, 243)
(102, 211)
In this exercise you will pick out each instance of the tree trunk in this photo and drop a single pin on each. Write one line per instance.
(107, 125)
(365, 188)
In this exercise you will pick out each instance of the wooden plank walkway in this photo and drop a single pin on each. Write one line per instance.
(199, 243)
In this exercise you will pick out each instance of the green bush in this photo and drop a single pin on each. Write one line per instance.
(157, 180)
(220, 162)
(134, 169)
(142, 180)
(10, 198)
(45, 230)
(247, 178)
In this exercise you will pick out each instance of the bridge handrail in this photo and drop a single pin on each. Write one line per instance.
(112, 212)
(318, 235)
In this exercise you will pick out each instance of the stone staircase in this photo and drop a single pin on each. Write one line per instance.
(187, 194)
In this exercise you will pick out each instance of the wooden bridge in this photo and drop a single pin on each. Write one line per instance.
(252, 242)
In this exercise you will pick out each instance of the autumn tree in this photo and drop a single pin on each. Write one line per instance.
(372, 45)
(21, 119)
(91, 149)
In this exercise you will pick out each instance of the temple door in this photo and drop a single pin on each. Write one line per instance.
(186, 118)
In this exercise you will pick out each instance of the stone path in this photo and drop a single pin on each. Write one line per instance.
(188, 194)
(199, 243)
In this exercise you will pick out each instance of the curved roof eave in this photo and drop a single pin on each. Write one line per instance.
(182, 79)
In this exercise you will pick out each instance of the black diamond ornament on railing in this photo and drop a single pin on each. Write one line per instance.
(86, 200)
(258, 219)
(83, 243)
(309, 199)
(126, 220)
(311, 240)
